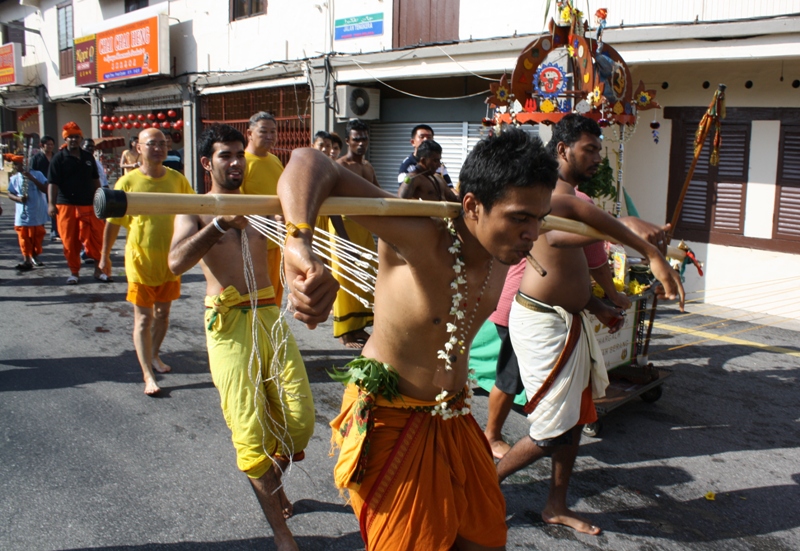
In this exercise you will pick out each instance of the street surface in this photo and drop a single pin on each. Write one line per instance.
(87, 461)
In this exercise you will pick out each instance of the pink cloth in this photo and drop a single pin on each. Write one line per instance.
(510, 288)
(596, 254)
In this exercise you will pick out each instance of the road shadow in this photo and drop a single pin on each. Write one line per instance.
(47, 374)
(632, 502)
(346, 542)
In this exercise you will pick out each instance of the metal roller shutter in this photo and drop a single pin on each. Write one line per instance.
(389, 145)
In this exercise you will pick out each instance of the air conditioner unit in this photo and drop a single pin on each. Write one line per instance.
(356, 102)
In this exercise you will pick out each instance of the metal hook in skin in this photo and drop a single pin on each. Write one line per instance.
(536, 266)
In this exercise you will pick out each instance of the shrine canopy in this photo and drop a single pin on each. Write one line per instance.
(566, 71)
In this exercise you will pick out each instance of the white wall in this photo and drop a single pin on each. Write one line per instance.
(760, 208)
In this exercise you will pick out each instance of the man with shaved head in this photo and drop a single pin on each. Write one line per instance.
(151, 285)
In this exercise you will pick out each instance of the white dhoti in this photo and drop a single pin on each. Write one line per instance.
(539, 334)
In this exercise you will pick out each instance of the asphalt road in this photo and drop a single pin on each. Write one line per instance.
(88, 462)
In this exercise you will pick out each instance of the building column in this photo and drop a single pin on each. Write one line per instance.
(191, 123)
(96, 112)
(321, 114)
(48, 116)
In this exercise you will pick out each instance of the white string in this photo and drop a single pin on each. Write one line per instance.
(349, 261)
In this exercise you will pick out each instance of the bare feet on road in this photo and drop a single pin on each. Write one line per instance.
(160, 366)
(572, 520)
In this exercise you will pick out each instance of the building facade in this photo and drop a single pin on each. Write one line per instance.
(396, 63)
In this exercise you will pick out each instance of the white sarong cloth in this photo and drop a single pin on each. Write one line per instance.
(538, 339)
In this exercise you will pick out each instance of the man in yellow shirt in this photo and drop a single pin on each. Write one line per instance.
(151, 286)
(261, 178)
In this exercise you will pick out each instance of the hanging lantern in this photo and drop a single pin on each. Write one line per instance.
(118, 125)
(161, 116)
(141, 117)
(165, 124)
(122, 118)
(176, 137)
(106, 118)
(146, 125)
(128, 126)
(151, 117)
(172, 114)
(115, 119)
(177, 125)
(137, 124)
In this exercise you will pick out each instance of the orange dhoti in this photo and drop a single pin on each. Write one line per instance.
(78, 225)
(30, 239)
(417, 481)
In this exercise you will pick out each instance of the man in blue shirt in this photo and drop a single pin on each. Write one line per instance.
(419, 134)
(28, 189)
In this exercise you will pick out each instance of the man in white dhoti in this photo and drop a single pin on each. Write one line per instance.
(560, 362)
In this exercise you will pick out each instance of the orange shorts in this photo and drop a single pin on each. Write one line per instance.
(146, 295)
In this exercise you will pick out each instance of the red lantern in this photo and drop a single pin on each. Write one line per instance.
(176, 137)
(137, 124)
(156, 125)
(118, 125)
(146, 125)
(128, 126)
(165, 124)
(177, 125)
(141, 117)
(161, 116)
(172, 114)
(151, 116)
(114, 119)
(106, 118)
(122, 118)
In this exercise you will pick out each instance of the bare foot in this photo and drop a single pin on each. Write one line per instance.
(352, 340)
(160, 366)
(571, 520)
(286, 506)
(499, 448)
(151, 388)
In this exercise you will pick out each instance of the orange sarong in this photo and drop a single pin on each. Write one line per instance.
(416, 481)
(78, 225)
(30, 239)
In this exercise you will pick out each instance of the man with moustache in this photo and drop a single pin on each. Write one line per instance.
(255, 364)
(151, 286)
(560, 362)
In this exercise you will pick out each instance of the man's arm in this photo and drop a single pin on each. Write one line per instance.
(52, 195)
(602, 276)
(571, 207)
(613, 318)
(41, 184)
(190, 243)
(409, 186)
(110, 234)
(308, 180)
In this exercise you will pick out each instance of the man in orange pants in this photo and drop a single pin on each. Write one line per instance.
(73, 179)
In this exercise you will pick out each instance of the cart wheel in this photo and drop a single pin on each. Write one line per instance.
(652, 395)
(592, 429)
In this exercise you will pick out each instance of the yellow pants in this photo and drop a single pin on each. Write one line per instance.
(266, 404)
(348, 313)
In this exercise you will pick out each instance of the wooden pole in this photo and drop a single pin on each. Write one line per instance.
(113, 203)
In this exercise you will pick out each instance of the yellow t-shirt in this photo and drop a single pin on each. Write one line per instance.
(261, 178)
(149, 235)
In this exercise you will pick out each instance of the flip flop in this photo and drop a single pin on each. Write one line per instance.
(72, 280)
(103, 278)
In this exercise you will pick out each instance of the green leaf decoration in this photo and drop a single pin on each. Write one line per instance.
(602, 184)
(369, 375)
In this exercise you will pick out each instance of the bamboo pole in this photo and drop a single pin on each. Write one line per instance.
(113, 203)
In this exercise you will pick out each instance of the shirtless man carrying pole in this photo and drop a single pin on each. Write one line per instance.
(266, 400)
(548, 329)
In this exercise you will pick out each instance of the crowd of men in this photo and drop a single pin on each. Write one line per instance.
(419, 472)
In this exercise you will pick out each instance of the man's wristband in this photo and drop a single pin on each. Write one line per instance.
(293, 230)
(216, 225)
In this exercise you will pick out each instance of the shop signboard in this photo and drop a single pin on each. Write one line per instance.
(10, 64)
(135, 50)
(359, 26)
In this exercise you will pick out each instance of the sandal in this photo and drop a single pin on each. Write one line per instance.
(24, 267)
(103, 278)
(72, 280)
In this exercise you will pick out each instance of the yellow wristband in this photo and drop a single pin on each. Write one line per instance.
(293, 230)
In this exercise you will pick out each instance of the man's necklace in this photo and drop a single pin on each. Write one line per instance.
(458, 336)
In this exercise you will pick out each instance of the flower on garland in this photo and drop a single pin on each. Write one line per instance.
(595, 98)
